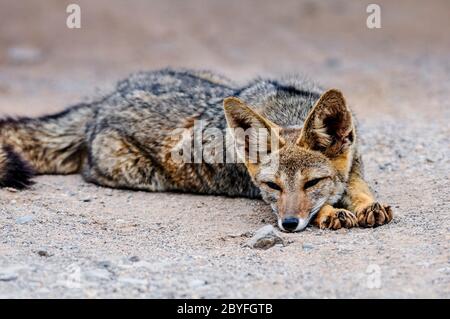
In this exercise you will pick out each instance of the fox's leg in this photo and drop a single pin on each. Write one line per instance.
(334, 218)
(360, 200)
(114, 161)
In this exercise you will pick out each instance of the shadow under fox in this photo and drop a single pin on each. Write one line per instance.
(125, 140)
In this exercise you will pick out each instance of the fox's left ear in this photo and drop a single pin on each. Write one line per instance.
(328, 127)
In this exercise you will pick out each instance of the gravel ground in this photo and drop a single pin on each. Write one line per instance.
(66, 238)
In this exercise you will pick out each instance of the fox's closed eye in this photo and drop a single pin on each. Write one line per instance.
(313, 182)
(273, 186)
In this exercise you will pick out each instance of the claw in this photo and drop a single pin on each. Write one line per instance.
(337, 219)
(374, 215)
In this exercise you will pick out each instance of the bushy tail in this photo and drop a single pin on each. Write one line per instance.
(52, 144)
(14, 172)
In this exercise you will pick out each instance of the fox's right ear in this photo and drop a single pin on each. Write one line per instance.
(247, 126)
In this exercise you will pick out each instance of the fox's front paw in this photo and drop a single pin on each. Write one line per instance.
(374, 215)
(336, 219)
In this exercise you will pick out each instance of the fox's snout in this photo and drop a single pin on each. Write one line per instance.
(290, 223)
(293, 224)
(294, 209)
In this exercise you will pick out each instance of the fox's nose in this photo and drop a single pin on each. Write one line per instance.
(290, 223)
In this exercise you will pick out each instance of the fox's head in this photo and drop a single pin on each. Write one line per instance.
(303, 168)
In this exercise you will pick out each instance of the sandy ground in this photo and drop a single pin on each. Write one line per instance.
(66, 238)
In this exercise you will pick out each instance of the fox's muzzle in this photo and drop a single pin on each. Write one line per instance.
(293, 224)
(290, 223)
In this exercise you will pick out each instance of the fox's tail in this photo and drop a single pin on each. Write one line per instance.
(53, 144)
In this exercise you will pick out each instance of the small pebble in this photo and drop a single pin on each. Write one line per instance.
(104, 264)
(43, 253)
(134, 259)
(8, 276)
(24, 219)
(265, 238)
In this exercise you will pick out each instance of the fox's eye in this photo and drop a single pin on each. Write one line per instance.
(273, 186)
(312, 182)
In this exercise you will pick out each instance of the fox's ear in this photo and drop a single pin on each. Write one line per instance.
(248, 128)
(328, 127)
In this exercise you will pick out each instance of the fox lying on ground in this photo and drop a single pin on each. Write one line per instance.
(125, 140)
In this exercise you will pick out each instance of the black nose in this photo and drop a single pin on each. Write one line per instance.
(290, 223)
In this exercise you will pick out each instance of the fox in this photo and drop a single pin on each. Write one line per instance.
(125, 139)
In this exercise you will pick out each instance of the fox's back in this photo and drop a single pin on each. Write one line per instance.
(126, 138)
(179, 96)
(149, 107)
(172, 96)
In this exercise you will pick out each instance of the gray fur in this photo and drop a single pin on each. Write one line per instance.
(144, 110)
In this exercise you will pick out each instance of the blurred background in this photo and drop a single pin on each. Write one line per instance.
(395, 78)
(397, 69)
